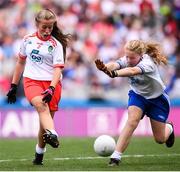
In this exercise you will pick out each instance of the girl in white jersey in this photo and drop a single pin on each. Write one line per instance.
(42, 57)
(146, 97)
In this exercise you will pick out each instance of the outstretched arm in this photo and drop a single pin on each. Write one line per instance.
(108, 69)
(104, 67)
(129, 71)
(125, 72)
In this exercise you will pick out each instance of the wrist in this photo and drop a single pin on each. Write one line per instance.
(115, 73)
(13, 85)
(52, 88)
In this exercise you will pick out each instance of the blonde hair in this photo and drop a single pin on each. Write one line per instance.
(151, 48)
(64, 39)
(45, 14)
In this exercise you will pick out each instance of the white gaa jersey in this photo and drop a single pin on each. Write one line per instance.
(41, 57)
(148, 84)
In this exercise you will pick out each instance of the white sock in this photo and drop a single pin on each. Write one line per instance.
(116, 155)
(170, 127)
(54, 132)
(40, 150)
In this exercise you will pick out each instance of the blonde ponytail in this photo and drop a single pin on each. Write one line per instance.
(152, 49)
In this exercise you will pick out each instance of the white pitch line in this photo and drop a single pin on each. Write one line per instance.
(97, 157)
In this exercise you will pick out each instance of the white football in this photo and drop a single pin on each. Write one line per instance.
(104, 145)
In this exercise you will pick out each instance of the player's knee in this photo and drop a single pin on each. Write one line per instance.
(159, 140)
(133, 123)
(40, 106)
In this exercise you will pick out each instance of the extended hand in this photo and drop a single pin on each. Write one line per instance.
(48, 94)
(12, 94)
(101, 66)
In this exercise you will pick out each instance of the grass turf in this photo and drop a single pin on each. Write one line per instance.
(76, 154)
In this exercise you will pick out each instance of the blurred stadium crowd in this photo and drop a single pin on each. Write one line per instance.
(99, 28)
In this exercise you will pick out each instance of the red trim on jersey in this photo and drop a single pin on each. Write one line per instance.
(42, 39)
(59, 65)
(22, 57)
(53, 42)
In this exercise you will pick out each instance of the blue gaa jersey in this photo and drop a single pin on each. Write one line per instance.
(148, 84)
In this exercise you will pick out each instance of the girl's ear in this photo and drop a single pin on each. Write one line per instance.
(37, 24)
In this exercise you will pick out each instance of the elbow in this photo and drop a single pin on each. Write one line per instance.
(21, 62)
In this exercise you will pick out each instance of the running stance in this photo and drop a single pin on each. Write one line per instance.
(147, 95)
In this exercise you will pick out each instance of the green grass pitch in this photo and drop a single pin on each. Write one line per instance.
(77, 154)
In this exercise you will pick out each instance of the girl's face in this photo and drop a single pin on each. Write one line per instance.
(45, 28)
(132, 58)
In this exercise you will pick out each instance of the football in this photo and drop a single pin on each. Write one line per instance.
(104, 145)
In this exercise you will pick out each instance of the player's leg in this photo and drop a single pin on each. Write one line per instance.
(158, 112)
(42, 108)
(46, 120)
(40, 148)
(134, 116)
(136, 108)
(163, 132)
(51, 137)
(40, 137)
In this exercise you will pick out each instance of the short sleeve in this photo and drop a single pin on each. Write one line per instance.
(58, 58)
(122, 62)
(147, 65)
(22, 52)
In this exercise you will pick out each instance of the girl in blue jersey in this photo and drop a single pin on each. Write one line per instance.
(146, 97)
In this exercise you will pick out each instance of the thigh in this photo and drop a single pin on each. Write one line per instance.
(134, 113)
(159, 108)
(137, 103)
(32, 88)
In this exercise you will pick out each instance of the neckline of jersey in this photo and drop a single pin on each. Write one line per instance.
(42, 39)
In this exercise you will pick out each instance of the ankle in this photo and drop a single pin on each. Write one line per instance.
(170, 127)
(116, 155)
(40, 150)
(52, 131)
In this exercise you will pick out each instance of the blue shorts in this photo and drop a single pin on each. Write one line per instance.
(156, 108)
